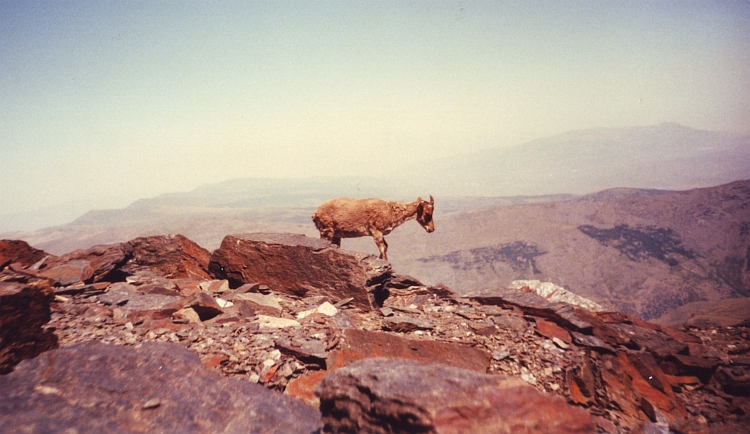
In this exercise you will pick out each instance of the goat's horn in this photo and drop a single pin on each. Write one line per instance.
(432, 201)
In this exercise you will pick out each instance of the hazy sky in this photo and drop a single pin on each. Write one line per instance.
(105, 102)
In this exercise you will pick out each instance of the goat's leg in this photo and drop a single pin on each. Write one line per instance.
(382, 245)
(336, 240)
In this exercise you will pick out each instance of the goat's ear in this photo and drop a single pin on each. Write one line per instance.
(420, 207)
(432, 200)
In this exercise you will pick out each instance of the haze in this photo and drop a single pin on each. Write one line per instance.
(102, 103)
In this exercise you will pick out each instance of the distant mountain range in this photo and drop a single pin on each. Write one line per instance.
(666, 156)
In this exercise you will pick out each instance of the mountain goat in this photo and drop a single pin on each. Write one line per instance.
(351, 218)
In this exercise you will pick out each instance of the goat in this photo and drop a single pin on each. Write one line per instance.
(351, 218)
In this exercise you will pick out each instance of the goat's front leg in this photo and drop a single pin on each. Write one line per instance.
(382, 245)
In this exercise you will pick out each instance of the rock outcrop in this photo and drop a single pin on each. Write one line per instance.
(171, 256)
(619, 373)
(20, 252)
(555, 293)
(300, 266)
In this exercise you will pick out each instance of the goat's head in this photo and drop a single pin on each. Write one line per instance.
(424, 214)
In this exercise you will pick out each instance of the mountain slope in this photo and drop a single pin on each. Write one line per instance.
(645, 254)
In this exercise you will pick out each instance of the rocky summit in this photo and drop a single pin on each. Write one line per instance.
(289, 334)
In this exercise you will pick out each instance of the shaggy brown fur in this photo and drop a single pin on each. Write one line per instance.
(350, 218)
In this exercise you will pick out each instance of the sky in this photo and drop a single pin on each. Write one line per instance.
(104, 102)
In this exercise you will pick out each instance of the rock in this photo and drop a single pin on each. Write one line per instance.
(187, 315)
(383, 395)
(701, 367)
(270, 322)
(137, 307)
(172, 256)
(24, 309)
(325, 308)
(204, 305)
(360, 344)
(405, 324)
(265, 304)
(305, 349)
(510, 322)
(157, 387)
(531, 303)
(17, 251)
(300, 266)
(97, 264)
(303, 387)
(627, 388)
(68, 272)
(734, 380)
(582, 384)
(553, 293)
(215, 286)
(552, 331)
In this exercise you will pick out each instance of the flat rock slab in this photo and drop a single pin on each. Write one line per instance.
(360, 344)
(300, 266)
(158, 387)
(405, 324)
(383, 395)
(531, 303)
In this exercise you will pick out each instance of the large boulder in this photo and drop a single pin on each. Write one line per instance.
(17, 251)
(301, 266)
(24, 309)
(172, 256)
(383, 395)
(157, 387)
(99, 263)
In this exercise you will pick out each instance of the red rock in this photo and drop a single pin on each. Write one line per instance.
(268, 375)
(24, 309)
(654, 388)
(17, 251)
(303, 387)
(171, 256)
(188, 286)
(360, 344)
(300, 266)
(383, 395)
(99, 263)
(581, 385)
(551, 330)
(214, 360)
